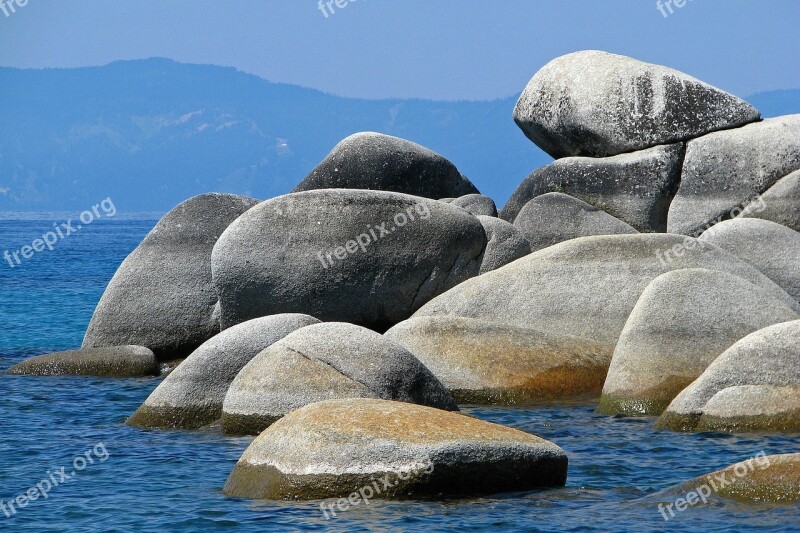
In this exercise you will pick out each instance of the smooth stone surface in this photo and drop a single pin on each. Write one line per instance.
(598, 104)
(636, 188)
(162, 296)
(112, 361)
(771, 248)
(752, 386)
(477, 204)
(334, 448)
(192, 395)
(482, 362)
(554, 217)
(299, 253)
(724, 171)
(380, 162)
(585, 287)
(681, 323)
(323, 362)
(780, 203)
(505, 243)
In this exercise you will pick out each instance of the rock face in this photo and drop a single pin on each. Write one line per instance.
(367, 257)
(779, 203)
(336, 448)
(505, 243)
(477, 204)
(725, 170)
(753, 386)
(162, 296)
(383, 163)
(636, 187)
(192, 395)
(681, 323)
(554, 217)
(585, 287)
(482, 362)
(322, 362)
(771, 248)
(113, 361)
(599, 104)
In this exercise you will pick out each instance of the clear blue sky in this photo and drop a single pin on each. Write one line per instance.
(447, 49)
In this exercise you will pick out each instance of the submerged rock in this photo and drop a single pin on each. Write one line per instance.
(366, 257)
(162, 296)
(599, 104)
(753, 386)
(192, 395)
(112, 361)
(380, 162)
(482, 362)
(681, 323)
(338, 448)
(322, 362)
(505, 244)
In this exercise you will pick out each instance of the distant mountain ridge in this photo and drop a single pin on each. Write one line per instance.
(151, 133)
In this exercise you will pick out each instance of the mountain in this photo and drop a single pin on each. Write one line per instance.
(151, 133)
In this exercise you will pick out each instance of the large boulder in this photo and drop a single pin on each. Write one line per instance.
(753, 386)
(482, 362)
(771, 248)
(367, 257)
(162, 296)
(191, 396)
(323, 362)
(505, 243)
(381, 449)
(584, 287)
(554, 217)
(681, 323)
(112, 361)
(636, 187)
(380, 162)
(725, 170)
(780, 203)
(477, 204)
(599, 104)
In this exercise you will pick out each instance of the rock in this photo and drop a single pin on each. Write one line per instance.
(192, 395)
(113, 361)
(322, 362)
(599, 104)
(380, 162)
(477, 204)
(367, 257)
(482, 362)
(753, 386)
(771, 248)
(506, 243)
(554, 217)
(724, 171)
(681, 323)
(335, 448)
(636, 188)
(761, 479)
(162, 296)
(585, 287)
(780, 203)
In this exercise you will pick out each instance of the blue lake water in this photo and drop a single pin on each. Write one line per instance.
(171, 480)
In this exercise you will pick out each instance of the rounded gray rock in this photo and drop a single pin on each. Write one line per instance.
(111, 361)
(780, 203)
(323, 362)
(162, 296)
(598, 104)
(477, 204)
(506, 243)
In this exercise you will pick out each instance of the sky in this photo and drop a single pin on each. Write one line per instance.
(445, 49)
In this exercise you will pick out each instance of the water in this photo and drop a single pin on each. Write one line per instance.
(164, 481)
